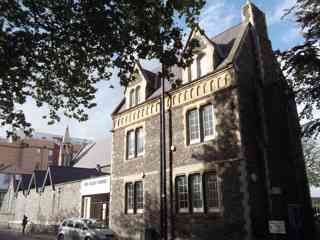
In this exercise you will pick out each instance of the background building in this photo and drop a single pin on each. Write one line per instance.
(235, 163)
(61, 191)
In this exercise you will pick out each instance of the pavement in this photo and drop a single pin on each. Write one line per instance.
(8, 234)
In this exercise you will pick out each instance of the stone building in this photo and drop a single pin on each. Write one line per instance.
(38, 152)
(235, 163)
(49, 196)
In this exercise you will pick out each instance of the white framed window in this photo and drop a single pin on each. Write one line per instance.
(207, 121)
(138, 95)
(130, 144)
(182, 194)
(200, 191)
(199, 67)
(138, 192)
(140, 140)
(129, 198)
(193, 126)
(212, 192)
(201, 128)
(189, 73)
(131, 98)
(134, 202)
(196, 193)
(135, 143)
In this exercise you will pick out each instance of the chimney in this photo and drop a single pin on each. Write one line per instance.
(252, 14)
(267, 62)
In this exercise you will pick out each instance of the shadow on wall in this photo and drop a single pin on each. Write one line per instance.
(227, 143)
(140, 226)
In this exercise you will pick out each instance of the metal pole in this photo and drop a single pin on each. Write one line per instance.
(163, 148)
(161, 173)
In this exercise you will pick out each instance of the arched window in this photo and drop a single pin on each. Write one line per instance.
(200, 66)
(138, 95)
(131, 98)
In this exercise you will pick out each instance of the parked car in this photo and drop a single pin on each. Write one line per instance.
(83, 229)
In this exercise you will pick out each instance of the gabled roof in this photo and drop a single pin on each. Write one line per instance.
(61, 174)
(23, 183)
(227, 43)
(36, 180)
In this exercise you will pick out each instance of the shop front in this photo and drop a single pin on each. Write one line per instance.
(95, 195)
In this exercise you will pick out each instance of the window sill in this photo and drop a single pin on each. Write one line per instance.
(139, 156)
(195, 141)
(205, 141)
(139, 211)
(197, 210)
(209, 138)
(214, 210)
(130, 212)
(183, 211)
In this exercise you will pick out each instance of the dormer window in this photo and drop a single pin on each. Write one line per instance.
(138, 95)
(199, 65)
(131, 98)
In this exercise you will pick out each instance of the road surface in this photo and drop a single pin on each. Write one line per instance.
(10, 235)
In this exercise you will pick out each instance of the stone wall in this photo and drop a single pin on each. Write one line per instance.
(46, 209)
(222, 154)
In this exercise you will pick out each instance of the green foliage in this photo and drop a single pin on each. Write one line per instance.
(301, 64)
(56, 51)
(311, 149)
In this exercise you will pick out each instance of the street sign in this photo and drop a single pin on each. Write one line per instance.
(277, 227)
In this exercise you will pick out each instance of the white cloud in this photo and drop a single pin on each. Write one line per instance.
(217, 16)
(275, 15)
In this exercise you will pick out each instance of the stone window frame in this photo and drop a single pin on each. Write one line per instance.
(134, 209)
(205, 209)
(199, 106)
(136, 155)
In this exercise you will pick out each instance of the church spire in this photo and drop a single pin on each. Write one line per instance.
(66, 149)
(66, 137)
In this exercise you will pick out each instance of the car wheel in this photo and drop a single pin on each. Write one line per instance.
(60, 237)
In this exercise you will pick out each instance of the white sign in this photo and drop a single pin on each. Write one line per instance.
(277, 227)
(96, 185)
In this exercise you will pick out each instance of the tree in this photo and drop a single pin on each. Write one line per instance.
(301, 64)
(312, 158)
(56, 51)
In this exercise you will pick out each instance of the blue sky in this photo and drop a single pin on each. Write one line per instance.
(216, 16)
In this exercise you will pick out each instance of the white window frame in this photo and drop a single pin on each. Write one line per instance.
(196, 209)
(213, 135)
(217, 208)
(137, 95)
(132, 98)
(127, 209)
(136, 140)
(138, 210)
(195, 140)
(201, 138)
(179, 209)
(128, 153)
